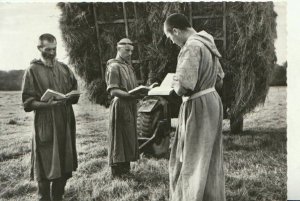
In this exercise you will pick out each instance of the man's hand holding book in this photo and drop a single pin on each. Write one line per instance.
(54, 98)
(142, 91)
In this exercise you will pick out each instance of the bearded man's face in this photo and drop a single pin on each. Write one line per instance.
(48, 49)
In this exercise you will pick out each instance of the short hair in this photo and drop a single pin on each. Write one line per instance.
(47, 37)
(125, 41)
(178, 21)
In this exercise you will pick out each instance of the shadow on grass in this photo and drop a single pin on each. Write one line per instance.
(253, 140)
(258, 131)
(255, 165)
(260, 188)
(92, 166)
(21, 189)
(9, 156)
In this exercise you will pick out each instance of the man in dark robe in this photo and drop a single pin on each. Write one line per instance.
(54, 154)
(123, 142)
(196, 160)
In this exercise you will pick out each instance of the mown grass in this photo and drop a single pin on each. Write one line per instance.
(254, 161)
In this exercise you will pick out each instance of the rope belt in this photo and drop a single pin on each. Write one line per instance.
(183, 128)
(198, 94)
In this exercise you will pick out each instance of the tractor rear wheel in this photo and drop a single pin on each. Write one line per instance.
(146, 125)
(147, 122)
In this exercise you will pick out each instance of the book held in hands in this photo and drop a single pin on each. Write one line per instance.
(49, 93)
(142, 89)
(164, 89)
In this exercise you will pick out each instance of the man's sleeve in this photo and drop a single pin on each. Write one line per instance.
(186, 76)
(112, 77)
(28, 90)
(220, 71)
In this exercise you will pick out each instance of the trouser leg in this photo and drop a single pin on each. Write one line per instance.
(44, 190)
(58, 188)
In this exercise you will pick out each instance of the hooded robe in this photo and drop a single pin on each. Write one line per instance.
(196, 160)
(122, 133)
(53, 153)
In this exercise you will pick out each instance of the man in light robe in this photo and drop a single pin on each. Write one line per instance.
(122, 133)
(196, 160)
(53, 151)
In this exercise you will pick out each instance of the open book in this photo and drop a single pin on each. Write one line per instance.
(142, 89)
(57, 95)
(165, 88)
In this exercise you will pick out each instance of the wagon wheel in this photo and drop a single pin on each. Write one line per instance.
(236, 124)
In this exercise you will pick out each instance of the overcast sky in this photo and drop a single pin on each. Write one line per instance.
(22, 23)
(20, 26)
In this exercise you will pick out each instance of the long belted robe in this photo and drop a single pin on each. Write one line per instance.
(196, 161)
(122, 134)
(53, 143)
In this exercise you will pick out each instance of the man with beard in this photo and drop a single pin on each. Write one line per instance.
(53, 153)
(123, 142)
(196, 160)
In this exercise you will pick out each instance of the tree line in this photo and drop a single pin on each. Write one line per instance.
(278, 77)
(11, 80)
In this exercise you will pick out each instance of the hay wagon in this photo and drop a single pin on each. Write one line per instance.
(244, 34)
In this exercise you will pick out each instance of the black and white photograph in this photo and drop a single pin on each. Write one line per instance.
(146, 101)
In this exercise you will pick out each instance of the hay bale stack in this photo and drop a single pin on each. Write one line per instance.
(247, 59)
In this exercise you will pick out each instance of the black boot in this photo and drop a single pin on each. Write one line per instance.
(44, 190)
(58, 189)
(115, 171)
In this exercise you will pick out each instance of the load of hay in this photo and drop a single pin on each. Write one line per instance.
(247, 60)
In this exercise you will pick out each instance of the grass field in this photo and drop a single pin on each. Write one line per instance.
(255, 160)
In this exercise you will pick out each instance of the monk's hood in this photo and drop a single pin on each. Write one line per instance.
(114, 61)
(207, 40)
